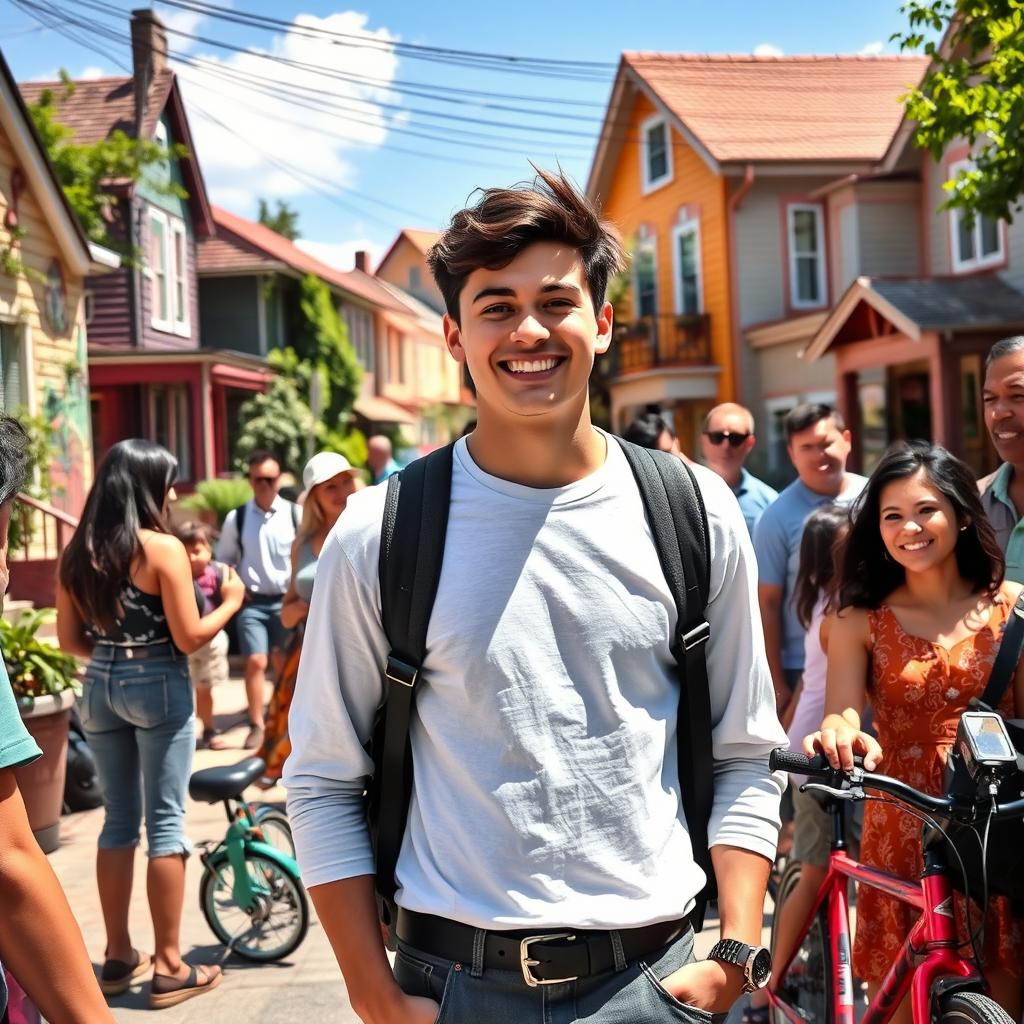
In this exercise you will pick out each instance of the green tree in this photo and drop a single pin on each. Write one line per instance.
(285, 220)
(974, 90)
(278, 421)
(84, 169)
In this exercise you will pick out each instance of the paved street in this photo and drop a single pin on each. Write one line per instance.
(308, 984)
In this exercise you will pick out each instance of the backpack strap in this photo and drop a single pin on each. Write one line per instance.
(411, 552)
(240, 526)
(1007, 657)
(678, 520)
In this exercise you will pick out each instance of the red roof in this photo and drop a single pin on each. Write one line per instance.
(748, 108)
(98, 106)
(243, 245)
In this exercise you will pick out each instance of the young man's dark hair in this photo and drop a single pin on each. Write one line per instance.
(261, 455)
(14, 458)
(506, 220)
(806, 415)
(647, 429)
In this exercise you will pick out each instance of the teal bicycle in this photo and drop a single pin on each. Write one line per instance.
(251, 893)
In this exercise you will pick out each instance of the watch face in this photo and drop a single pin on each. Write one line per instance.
(761, 968)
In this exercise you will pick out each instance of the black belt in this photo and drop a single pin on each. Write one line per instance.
(133, 652)
(257, 598)
(544, 958)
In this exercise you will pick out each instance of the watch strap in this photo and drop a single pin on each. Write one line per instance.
(732, 951)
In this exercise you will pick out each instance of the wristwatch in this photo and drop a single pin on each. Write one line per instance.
(756, 961)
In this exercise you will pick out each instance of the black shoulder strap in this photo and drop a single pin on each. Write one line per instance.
(675, 511)
(411, 553)
(1007, 657)
(240, 526)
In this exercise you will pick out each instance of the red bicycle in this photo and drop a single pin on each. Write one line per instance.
(816, 985)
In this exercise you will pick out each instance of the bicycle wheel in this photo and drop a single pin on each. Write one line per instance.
(277, 922)
(276, 828)
(806, 986)
(972, 1008)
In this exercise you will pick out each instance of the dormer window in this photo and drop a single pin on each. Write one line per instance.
(655, 152)
(979, 244)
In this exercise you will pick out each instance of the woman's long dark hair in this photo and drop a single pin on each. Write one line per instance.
(818, 559)
(868, 575)
(127, 495)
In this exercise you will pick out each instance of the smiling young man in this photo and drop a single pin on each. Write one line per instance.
(1002, 492)
(545, 804)
(819, 445)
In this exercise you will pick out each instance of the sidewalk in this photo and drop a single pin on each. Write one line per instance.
(309, 985)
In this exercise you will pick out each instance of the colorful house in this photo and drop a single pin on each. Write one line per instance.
(714, 169)
(45, 259)
(149, 376)
(405, 266)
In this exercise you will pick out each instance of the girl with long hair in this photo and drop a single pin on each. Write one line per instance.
(125, 601)
(922, 607)
(329, 481)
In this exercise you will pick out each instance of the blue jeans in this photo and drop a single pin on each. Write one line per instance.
(137, 717)
(629, 996)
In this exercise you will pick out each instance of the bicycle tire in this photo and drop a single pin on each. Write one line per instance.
(227, 920)
(276, 828)
(972, 1008)
(807, 984)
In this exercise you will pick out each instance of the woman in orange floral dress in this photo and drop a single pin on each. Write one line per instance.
(922, 608)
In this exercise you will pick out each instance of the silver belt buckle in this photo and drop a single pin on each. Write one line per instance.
(526, 962)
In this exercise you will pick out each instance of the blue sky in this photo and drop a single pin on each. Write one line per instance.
(256, 141)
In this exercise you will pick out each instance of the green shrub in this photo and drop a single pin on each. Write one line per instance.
(36, 668)
(218, 497)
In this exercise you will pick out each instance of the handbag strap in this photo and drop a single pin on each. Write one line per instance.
(1007, 657)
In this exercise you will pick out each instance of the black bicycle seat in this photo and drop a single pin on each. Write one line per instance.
(211, 785)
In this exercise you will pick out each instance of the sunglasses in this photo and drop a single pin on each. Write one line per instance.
(716, 437)
(269, 480)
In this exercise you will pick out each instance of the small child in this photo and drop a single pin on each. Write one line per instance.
(208, 665)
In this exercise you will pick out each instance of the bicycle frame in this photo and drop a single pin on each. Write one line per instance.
(929, 956)
(238, 841)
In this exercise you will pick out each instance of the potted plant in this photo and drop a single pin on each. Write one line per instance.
(45, 683)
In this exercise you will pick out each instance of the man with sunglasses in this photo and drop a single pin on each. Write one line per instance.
(257, 540)
(726, 441)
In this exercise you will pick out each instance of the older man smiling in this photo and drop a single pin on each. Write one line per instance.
(1002, 492)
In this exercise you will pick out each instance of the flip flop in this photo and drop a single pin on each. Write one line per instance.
(166, 990)
(117, 976)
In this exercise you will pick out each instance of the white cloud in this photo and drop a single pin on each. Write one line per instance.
(93, 71)
(342, 255)
(767, 50)
(873, 49)
(265, 123)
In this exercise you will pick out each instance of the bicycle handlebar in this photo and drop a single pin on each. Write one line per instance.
(817, 767)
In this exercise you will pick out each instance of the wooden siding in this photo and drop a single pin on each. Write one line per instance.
(695, 192)
(396, 271)
(48, 356)
(111, 322)
(889, 237)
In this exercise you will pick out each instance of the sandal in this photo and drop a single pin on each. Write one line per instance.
(167, 990)
(117, 976)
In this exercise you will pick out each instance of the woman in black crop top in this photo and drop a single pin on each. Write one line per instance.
(126, 602)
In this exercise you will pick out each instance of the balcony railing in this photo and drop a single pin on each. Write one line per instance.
(658, 341)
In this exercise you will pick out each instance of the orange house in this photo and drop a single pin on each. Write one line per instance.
(711, 166)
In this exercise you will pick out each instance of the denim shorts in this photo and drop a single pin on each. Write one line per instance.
(259, 626)
(627, 996)
(137, 717)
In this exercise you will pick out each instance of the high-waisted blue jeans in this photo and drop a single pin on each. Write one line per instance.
(630, 996)
(137, 716)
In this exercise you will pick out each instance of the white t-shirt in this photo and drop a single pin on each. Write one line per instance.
(546, 789)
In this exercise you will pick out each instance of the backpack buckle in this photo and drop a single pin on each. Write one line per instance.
(401, 672)
(700, 634)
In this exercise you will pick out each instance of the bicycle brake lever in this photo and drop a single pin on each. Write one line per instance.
(851, 795)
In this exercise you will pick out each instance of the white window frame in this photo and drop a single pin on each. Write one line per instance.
(160, 134)
(795, 301)
(977, 262)
(176, 400)
(173, 229)
(649, 183)
(687, 227)
(23, 332)
(649, 243)
(179, 278)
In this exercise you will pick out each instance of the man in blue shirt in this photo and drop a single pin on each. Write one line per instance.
(726, 441)
(818, 444)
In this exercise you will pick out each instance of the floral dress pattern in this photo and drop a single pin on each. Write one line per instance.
(918, 691)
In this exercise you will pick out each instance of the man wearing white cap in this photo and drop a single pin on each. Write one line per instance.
(328, 480)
